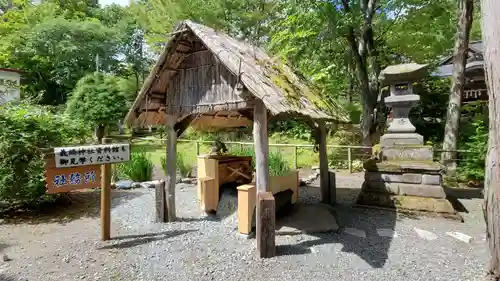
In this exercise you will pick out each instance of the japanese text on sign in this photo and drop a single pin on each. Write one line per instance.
(91, 155)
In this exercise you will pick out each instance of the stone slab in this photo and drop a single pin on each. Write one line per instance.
(431, 179)
(424, 153)
(401, 202)
(402, 139)
(307, 218)
(380, 187)
(424, 167)
(393, 177)
(422, 190)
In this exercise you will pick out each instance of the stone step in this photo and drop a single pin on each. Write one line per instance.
(418, 190)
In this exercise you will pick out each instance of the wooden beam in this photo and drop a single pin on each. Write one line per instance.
(247, 114)
(181, 126)
(177, 32)
(323, 164)
(266, 228)
(171, 166)
(263, 217)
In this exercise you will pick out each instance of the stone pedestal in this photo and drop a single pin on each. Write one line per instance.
(403, 175)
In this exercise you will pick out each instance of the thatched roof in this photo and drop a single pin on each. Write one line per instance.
(193, 56)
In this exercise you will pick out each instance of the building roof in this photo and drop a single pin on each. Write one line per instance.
(11, 70)
(282, 91)
(445, 68)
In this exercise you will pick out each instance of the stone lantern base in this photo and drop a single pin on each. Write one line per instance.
(413, 185)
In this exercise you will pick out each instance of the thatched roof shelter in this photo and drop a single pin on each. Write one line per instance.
(214, 78)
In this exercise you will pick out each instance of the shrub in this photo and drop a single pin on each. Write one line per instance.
(277, 164)
(24, 130)
(184, 165)
(139, 168)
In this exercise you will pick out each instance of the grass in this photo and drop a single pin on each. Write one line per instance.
(156, 150)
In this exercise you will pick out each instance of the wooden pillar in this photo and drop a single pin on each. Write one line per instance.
(106, 198)
(266, 227)
(323, 164)
(160, 202)
(171, 166)
(264, 217)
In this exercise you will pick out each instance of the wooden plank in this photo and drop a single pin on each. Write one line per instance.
(171, 166)
(91, 155)
(60, 180)
(323, 164)
(266, 228)
(160, 202)
(106, 198)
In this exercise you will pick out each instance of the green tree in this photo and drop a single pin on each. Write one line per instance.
(56, 53)
(98, 100)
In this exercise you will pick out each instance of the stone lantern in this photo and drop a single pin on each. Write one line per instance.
(404, 175)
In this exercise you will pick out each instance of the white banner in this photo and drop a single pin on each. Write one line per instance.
(91, 155)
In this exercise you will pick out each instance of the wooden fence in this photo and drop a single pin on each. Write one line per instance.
(346, 157)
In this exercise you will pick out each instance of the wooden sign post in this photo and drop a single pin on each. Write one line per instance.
(83, 167)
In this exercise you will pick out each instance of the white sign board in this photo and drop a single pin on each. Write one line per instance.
(91, 155)
(9, 86)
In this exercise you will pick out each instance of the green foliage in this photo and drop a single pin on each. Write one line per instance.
(58, 52)
(139, 168)
(97, 99)
(24, 130)
(184, 164)
(472, 166)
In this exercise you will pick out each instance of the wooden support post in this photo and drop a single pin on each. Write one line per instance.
(106, 198)
(333, 187)
(262, 179)
(349, 159)
(160, 202)
(323, 163)
(295, 156)
(171, 167)
(266, 227)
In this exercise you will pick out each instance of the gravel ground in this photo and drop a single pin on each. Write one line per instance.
(200, 247)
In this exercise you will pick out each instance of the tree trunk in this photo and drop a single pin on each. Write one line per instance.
(99, 133)
(491, 41)
(466, 8)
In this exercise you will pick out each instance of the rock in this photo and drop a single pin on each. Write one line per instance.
(136, 185)
(186, 180)
(65, 260)
(5, 258)
(148, 184)
(124, 184)
(301, 183)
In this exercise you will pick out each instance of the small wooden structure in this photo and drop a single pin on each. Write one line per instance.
(206, 78)
(216, 170)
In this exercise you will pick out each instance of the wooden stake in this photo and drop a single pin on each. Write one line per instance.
(160, 202)
(265, 218)
(266, 227)
(106, 198)
(171, 166)
(323, 164)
